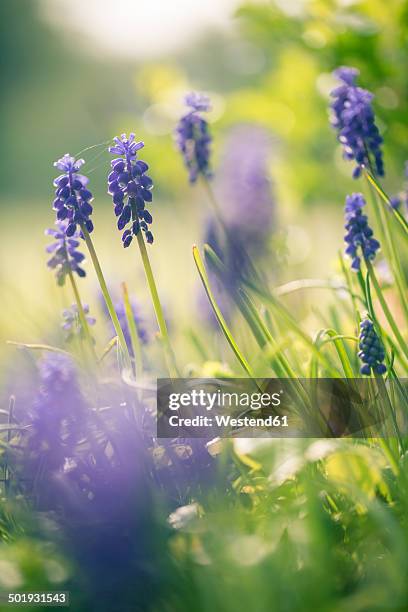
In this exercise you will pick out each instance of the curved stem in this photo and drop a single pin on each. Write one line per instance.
(107, 297)
(227, 333)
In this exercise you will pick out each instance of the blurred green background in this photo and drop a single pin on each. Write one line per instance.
(74, 74)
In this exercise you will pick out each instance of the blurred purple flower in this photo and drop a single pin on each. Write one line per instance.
(395, 202)
(71, 322)
(244, 190)
(72, 198)
(193, 138)
(65, 254)
(140, 324)
(353, 119)
(243, 185)
(57, 413)
(359, 236)
(130, 188)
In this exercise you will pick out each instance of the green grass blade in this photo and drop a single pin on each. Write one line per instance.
(400, 218)
(224, 327)
(390, 319)
(338, 341)
(39, 347)
(111, 344)
(287, 318)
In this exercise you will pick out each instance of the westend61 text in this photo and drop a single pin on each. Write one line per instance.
(228, 421)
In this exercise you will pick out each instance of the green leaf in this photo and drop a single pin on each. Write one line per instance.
(224, 327)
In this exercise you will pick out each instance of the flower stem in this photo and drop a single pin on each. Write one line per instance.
(107, 297)
(82, 316)
(168, 351)
(386, 310)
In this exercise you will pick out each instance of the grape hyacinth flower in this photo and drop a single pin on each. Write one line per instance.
(72, 201)
(359, 237)
(371, 352)
(65, 255)
(57, 414)
(193, 138)
(353, 119)
(130, 188)
(71, 320)
(244, 186)
(248, 211)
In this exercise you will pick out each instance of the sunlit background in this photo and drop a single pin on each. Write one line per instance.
(91, 499)
(76, 73)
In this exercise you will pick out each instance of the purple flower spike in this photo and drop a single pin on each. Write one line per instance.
(65, 254)
(126, 146)
(359, 237)
(371, 353)
(353, 119)
(130, 188)
(244, 185)
(57, 415)
(193, 138)
(72, 198)
(71, 322)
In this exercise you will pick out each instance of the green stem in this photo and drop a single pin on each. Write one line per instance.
(82, 316)
(170, 358)
(107, 297)
(227, 333)
(347, 276)
(385, 397)
(386, 310)
(39, 347)
(388, 452)
(341, 351)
